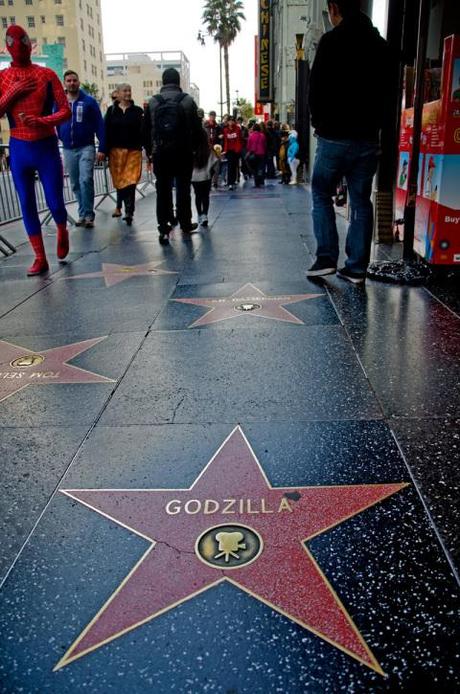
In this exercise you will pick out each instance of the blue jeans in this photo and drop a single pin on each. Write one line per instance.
(79, 163)
(357, 161)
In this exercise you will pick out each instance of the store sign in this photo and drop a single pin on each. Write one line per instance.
(264, 91)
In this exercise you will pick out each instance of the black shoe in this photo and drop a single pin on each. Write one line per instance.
(354, 277)
(191, 227)
(163, 239)
(321, 267)
(128, 220)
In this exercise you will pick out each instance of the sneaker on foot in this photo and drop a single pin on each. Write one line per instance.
(354, 277)
(163, 239)
(321, 267)
(89, 224)
(204, 220)
(80, 222)
(191, 227)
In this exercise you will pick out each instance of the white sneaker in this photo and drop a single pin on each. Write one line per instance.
(293, 183)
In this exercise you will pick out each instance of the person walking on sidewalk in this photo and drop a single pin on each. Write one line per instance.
(213, 129)
(257, 153)
(348, 137)
(215, 137)
(172, 133)
(204, 166)
(293, 156)
(283, 163)
(117, 211)
(124, 123)
(233, 145)
(273, 144)
(77, 137)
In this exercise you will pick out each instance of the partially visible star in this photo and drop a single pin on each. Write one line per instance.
(232, 502)
(249, 301)
(21, 367)
(114, 274)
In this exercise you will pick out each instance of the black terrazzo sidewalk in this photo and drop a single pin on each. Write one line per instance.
(350, 386)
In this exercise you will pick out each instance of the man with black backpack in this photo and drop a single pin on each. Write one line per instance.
(173, 129)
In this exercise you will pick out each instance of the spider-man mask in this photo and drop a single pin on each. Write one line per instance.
(18, 45)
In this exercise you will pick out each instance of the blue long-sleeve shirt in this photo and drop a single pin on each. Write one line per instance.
(293, 148)
(85, 123)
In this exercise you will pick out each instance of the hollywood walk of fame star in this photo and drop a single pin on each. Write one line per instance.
(114, 274)
(231, 525)
(21, 367)
(250, 301)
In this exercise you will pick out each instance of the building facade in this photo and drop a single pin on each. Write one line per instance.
(289, 17)
(143, 72)
(194, 92)
(74, 24)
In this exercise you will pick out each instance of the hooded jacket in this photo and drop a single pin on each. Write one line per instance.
(350, 81)
(85, 123)
(293, 146)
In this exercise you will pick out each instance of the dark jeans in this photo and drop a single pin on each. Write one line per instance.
(357, 161)
(271, 173)
(232, 163)
(258, 167)
(202, 190)
(167, 170)
(128, 196)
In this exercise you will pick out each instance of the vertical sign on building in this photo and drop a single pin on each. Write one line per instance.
(264, 78)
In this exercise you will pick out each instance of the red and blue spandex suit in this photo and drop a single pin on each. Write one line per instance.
(35, 103)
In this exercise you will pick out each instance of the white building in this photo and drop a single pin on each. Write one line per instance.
(194, 92)
(143, 72)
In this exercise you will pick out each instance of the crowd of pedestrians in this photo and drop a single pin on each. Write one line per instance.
(184, 150)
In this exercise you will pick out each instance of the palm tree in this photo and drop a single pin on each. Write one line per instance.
(90, 88)
(222, 19)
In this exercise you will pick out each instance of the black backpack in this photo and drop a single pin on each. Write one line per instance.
(170, 123)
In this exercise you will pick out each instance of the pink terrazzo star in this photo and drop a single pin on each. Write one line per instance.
(230, 525)
(248, 301)
(114, 274)
(21, 367)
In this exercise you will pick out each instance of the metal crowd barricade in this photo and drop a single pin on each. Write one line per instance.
(10, 209)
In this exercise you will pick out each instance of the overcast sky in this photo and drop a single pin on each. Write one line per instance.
(162, 25)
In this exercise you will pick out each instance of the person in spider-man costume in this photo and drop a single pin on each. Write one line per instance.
(28, 95)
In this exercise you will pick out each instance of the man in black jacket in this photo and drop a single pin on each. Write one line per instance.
(349, 95)
(173, 129)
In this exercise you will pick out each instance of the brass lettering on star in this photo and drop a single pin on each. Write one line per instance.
(226, 507)
(35, 375)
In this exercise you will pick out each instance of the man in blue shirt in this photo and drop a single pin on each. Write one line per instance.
(77, 135)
